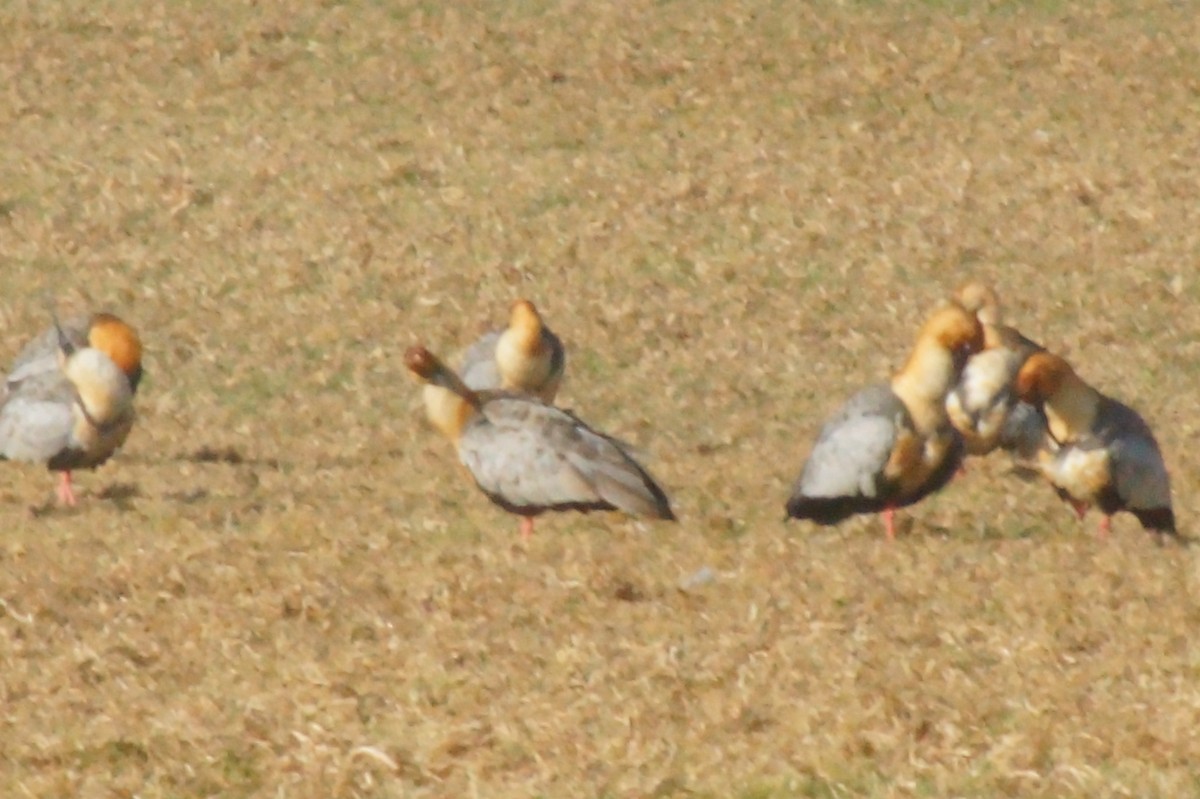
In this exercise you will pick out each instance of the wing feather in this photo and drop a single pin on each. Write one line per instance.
(529, 457)
(478, 369)
(853, 447)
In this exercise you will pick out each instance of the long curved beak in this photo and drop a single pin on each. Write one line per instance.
(64, 343)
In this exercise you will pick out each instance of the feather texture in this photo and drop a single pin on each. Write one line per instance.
(530, 457)
(890, 446)
(1099, 451)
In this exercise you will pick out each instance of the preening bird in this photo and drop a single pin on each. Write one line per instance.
(525, 357)
(891, 445)
(983, 406)
(529, 457)
(68, 401)
(1099, 451)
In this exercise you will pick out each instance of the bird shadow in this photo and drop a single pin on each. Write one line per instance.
(1025, 473)
(120, 494)
(230, 456)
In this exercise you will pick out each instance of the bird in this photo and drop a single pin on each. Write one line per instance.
(890, 446)
(68, 400)
(525, 357)
(1098, 451)
(983, 406)
(530, 457)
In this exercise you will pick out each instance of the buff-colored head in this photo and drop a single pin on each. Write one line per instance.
(423, 363)
(954, 329)
(1042, 376)
(979, 299)
(119, 342)
(525, 321)
(429, 369)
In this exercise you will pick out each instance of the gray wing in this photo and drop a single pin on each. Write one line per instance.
(558, 355)
(1139, 473)
(1019, 343)
(36, 419)
(1024, 431)
(529, 457)
(478, 368)
(40, 355)
(853, 447)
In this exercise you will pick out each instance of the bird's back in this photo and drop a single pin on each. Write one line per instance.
(478, 367)
(848, 458)
(1139, 472)
(40, 355)
(529, 456)
(36, 415)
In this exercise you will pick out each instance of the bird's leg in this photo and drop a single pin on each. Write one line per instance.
(1105, 526)
(526, 528)
(1081, 508)
(889, 523)
(65, 495)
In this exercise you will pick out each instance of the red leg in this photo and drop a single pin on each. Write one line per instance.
(1081, 508)
(1105, 527)
(526, 528)
(889, 523)
(65, 495)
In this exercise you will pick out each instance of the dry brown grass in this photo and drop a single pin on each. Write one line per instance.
(734, 213)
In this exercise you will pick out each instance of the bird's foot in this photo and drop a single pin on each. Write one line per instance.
(66, 495)
(889, 523)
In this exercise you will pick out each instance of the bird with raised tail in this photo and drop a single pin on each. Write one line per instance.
(983, 406)
(1098, 451)
(525, 357)
(68, 401)
(530, 457)
(891, 445)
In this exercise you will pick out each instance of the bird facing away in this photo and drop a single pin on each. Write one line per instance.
(889, 446)
(525, 357)
(983, 406)
(529, 457)
(68, 401)
(1099, 451)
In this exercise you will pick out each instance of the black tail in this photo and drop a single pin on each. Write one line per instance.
(1157, 520)
(828, 510)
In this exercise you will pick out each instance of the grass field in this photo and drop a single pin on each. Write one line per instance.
(734, 213)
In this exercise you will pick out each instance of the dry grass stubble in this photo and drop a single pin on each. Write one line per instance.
(735, 214)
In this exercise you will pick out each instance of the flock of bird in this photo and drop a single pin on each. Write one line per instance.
(971, 385)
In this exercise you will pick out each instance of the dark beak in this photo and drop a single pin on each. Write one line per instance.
(64, 343)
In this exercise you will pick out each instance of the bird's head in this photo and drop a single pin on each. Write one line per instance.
(120, 342)
(955, 330)
(423, 364)
(1041, 377)
(979, 299)
(525, 321)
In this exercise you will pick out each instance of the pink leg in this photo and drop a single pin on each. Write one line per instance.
(65, 495)
(526, 528)
(1105, 527)
(1081, 508)
(889, 523)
